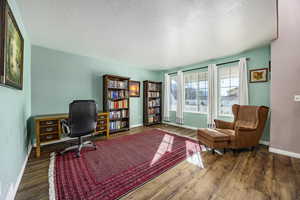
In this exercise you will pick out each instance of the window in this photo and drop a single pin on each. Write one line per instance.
(228, 86)
(196, 92)
(173, 96)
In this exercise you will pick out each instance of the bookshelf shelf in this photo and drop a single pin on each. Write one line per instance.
(116, 101)
(152, 102)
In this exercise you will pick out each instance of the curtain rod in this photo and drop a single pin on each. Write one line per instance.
(207, 66)
(230, 62)
(188, 70)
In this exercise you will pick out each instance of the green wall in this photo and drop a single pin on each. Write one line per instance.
(15, 107)
(59, 77)
(259, 93)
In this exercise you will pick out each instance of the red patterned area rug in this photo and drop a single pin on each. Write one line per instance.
(118, 165)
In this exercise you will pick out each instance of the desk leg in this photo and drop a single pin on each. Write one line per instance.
(38, 151)
(37, 139)
(107, 127)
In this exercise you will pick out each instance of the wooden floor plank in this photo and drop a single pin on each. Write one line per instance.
(246, 175)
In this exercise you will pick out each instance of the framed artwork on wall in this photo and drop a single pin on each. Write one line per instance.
(134, 88)
(11, 49)
(258, 75)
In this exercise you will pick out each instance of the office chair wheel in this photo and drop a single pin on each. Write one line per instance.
(95, 147)
(78, 154)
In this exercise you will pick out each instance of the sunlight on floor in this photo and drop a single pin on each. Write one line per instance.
(165, 146)
(193, 154)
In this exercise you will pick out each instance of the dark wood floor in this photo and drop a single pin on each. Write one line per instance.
(246, 175)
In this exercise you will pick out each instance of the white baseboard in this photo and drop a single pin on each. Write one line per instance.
(14, 187)
(195, 128)
(136, 125)
(267, 143)
(283, 152)
(179, 125)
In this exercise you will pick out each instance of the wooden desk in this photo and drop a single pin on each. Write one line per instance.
(48, 128)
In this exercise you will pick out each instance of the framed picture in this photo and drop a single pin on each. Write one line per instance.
(12, 49)
(258, 75)
(134, 88)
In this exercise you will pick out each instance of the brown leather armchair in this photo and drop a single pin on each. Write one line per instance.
(247, 128)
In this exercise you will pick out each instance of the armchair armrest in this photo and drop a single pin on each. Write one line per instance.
(223, 124)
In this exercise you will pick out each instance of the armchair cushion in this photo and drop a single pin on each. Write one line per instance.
(247, 117)
(246, 125)
(229, 132)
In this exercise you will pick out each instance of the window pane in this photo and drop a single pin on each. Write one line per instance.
(191, 86)
(173, 95)
(196, 91)
(228, 89)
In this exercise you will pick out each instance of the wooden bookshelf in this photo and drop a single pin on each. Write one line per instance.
(116, 102)
(152, 103)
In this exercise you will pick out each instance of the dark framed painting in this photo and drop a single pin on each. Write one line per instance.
(134, 88)
(258, 75)
(12, 49)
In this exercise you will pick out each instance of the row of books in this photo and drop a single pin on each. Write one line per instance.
(117, 125)
(118, 114)
(118, 104)
(118, 94)
(153, 119)
(153, 86)
(154, 102)
(152, 111)
(153, 94)
(117, 84)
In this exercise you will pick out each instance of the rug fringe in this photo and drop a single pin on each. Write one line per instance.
(51, 177)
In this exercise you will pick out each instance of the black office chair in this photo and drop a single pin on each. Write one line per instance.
(82, 121)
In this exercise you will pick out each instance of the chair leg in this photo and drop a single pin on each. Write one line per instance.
(253, 148)
(79, 146)
(234, 151)
(213, 151)
(224, 151)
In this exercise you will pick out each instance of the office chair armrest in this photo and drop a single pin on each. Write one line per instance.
(65, 126)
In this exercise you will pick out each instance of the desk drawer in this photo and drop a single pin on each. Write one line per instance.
(48, 122)
(48, 129)
(49, 137)
(102, 117)
(101, 128)
(101, 123)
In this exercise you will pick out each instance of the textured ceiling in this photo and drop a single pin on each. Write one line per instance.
(152, 34)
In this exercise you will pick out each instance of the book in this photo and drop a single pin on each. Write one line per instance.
(115, 95)
(118, 114)
(115, 125)
(117, 84)
(118, 104)
(154, 102)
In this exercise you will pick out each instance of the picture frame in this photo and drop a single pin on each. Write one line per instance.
(258, 75)
(134, 88)
(11, 49)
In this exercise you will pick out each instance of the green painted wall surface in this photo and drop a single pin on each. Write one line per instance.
(259, 93)
(58, 78)
(15, 109)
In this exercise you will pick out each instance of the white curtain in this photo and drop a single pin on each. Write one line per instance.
(166, 116)
(212, 94)
(180, 98)
(244, 98)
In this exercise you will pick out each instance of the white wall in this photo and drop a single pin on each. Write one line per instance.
(285, 56)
